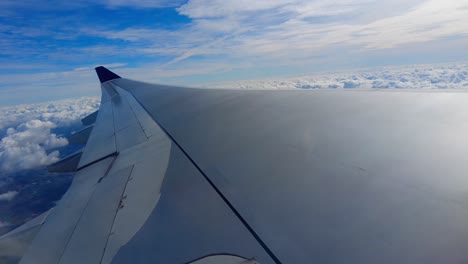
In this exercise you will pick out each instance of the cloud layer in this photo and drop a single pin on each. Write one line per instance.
(61, 113)
(29, 140)
(443, 76)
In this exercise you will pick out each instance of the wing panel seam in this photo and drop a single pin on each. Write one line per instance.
(84, 210)
(116, 212)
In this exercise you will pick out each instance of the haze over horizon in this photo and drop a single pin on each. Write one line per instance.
(48, 50)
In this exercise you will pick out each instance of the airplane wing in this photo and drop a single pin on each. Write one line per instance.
(185, 175)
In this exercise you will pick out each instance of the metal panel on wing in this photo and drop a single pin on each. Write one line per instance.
(93, 229)
(51, 240)
(331, 176)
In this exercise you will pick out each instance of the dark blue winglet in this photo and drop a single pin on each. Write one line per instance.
(105, 75)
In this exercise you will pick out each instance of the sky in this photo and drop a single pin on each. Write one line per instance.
(48, 49)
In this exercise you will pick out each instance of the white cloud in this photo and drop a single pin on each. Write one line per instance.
(220, 8)
(302, 32)
(7, 6)
(8, 196)
(297, 29)
(26, 146)
(28, 139)
(141, 3)
(62, 113)
(44, 86)
(442, 76)
(432, 20)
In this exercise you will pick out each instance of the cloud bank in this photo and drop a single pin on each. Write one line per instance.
(62, 113)
(28, 138)
(443, 76)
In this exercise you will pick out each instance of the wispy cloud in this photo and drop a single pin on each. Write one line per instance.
(141, 3)
(8, 196)
(109, 66)
(290, 28)
(287, 29)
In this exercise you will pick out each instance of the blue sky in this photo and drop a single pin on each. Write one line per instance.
(48, 49)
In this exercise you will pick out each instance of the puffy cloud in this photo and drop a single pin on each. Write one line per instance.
(8, 196)
(443, 76)
(28, 138)
(62, 113)
(26, 146)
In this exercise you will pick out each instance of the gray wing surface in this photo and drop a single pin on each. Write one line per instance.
(136, 191)
(182, 175)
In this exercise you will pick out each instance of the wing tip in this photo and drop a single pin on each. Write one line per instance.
(105, 75)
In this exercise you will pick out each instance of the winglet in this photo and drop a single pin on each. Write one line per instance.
(105, 75)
